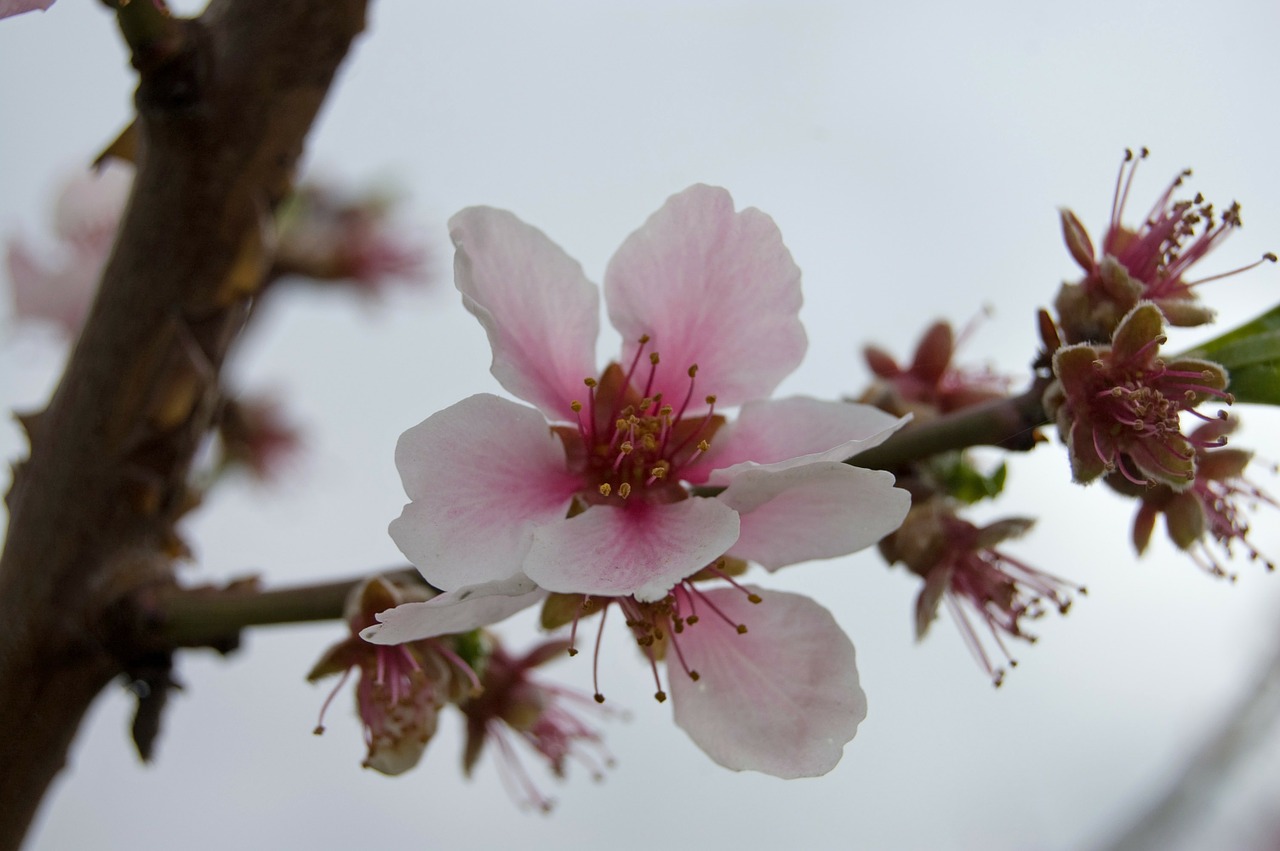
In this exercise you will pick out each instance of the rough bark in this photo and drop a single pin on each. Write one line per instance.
(224, 104)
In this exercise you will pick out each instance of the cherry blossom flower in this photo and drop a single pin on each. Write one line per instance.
(401, 689)
(1212, 511)
(960, 565)
(86, 216)
(256, 435)
(637, 483)
(539, 713)
(327, 237)
(933, 384)
(1117, 407)
(1149, 262)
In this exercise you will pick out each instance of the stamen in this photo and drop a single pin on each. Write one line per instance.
(624, 490)
(752, 597)
(1266, 258)
(460, 664)
(325, 706)
(653, 372)
(631, 371)
(595, 661)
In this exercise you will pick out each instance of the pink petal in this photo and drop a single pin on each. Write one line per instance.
(17, 7)
(541, 314)
(454, 611)
(791, 432)
(61, 295)
(782, 698)
(640, 549)
(710, 287)
(819, 510)
(482, 475)
(88, 210)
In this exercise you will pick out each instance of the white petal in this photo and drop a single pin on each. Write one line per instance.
(791, 432)
(638, 550)
(782, 698)
(819, 510)
(454, 611)
(541, 313)
(482, 475)
(711, 287)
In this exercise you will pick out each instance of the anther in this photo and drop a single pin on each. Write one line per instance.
(606, 489)
(693, 370)
(624, 490)
(575, 406)
(742, 629)
(660, 696)
(591, 382)
(653, 358)
(599, 697)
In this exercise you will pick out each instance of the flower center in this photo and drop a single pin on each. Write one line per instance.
(632, 443)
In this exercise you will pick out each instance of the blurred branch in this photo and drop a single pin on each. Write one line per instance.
(214, 617)
(1244, 727)
(222, 113)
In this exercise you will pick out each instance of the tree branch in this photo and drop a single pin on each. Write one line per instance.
(223, 111)
(1009, 423)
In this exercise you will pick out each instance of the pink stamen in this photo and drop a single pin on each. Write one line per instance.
(328, 700)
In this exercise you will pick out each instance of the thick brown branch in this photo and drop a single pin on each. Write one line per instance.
(222, 117)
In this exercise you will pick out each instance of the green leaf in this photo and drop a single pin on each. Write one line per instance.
(966, 483)
(1251, 355)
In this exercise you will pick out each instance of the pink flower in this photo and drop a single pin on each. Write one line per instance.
(256, 435)
(933, 384)
(86, 216)
(960, 565)
(1118, 407)
(1212, 510)
(1148, 262)
(401, 689)
(512, 701)
(641, 484)
(329, 236)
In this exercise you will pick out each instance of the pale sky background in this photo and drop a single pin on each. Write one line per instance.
(914, 155)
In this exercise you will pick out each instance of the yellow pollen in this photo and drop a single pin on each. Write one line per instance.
(590, 382)
(658, 472)
(710, 400)
(620, 425)
(649, 443)
(606, 489)
(703, 445)
(626, 448)
(575, 406)
(644, 338)
(624, 490)
(653, 358)
(666, 411)
(753, 598)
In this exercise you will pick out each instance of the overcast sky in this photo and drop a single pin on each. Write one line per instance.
(914, 156)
